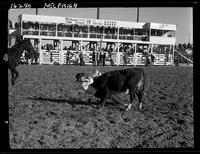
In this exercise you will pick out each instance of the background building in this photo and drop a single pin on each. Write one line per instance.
(83, 34)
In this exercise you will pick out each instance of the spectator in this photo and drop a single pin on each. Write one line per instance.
(110, 50)
(68, 58)
(104, 58)
(16, 25)
(125, 58)
(110, 57)
(152, 58)
(26, 56)
(81, 58)
(10, 24)
(184, 46)
(51, 56)
(36, 56)
(76, 58)
(18, 40)
(147, 59)
(141, 51)
(83, 47)
(93, 58)
(70, 48)
(99, 58)
(132, 51)
(111, 62)
(189, 46)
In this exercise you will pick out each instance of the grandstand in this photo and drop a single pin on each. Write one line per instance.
(61, 34)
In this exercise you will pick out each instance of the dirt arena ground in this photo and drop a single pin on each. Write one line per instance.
(47, 110)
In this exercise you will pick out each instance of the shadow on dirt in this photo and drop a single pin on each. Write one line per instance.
(71, 101)
(75, 101)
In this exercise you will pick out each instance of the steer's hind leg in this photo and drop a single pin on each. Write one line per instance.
(14, 75)
(132, 97)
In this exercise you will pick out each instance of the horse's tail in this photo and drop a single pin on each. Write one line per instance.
(5, 57)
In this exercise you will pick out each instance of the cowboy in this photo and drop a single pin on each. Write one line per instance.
(93, 58)
(104, 58)
(87, 80)
(68, 58)
(81, 58)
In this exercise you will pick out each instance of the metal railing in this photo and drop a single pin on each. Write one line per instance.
(47, 33)
(184, 56)
(30, 32)
(83, 35)
(131, 37)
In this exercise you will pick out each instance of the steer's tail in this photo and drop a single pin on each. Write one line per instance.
(144, 83)
(141, 89)
(145, 87)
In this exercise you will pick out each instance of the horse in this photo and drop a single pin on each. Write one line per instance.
(14, 54)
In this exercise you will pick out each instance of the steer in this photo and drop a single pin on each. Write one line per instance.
(127, 80)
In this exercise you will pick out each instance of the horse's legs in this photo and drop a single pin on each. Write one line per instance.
(12, 79)
(14, 75)
(32, 61)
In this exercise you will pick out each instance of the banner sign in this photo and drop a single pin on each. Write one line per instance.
(72, 21)
(97, 22)
(92, 22)
(163, 26)
(110, 23)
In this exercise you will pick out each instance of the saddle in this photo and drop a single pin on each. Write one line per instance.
(5, 57)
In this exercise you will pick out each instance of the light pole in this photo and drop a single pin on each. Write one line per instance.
(100, 43)
(98, 12)
(137, 14)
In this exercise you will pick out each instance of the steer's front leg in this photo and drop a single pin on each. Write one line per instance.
(101, 103)
(105, 95)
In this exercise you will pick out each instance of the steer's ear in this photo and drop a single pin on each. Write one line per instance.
(96, 73)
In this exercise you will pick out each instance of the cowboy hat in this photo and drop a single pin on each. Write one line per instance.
(79, 75)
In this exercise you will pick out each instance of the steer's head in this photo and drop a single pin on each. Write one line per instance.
(96, 73)
(86, 82)
(82, 77)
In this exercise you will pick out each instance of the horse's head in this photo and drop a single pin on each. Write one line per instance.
(28, 46)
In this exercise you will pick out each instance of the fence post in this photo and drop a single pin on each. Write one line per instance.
(135, 55)
(118, 55)
(40, 51)
(61, 52)
(173, 48)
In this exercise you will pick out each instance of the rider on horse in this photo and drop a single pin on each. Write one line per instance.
(15, 53)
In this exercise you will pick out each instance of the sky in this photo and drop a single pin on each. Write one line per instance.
(181, 16)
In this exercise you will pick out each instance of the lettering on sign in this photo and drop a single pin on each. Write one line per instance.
(20, 6)
(60, 5)
(163, 25)
(94, 22)
(110, 23)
